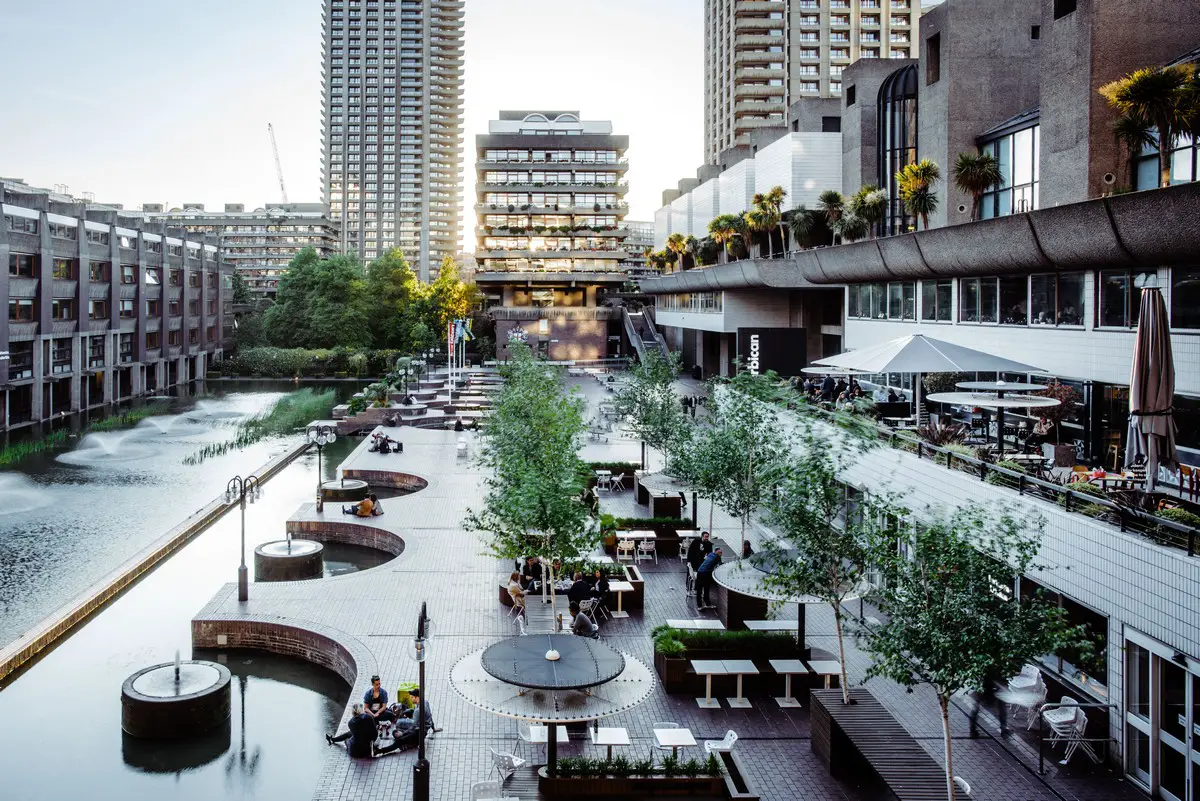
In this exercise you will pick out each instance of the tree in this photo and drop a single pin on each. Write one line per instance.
(832, 205)
(724, 228)
(534, 501)
(850, 227)
(976, 174)
(1167, 98)
(286, 321)
(915, 185)
(870, 205)
(950, 618)
(743, 448)
(757, 222)
(393, 289)
(338, 306)
(824, 547)
(648, 401)
(241, 290)
(677, 244)
(449, 297)
(766, 214)
(808, 227)
(1133, 132)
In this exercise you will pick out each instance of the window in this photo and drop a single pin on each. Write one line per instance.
(22, 225)
(1184, 164)
(175, 338)
(173, 308)
(870, 301)
(1035, 31)
(977, 300)
(61, 356)
(851, 97)
(1018, 156)
(62, 309)
(97, 237)
(194, 307)
(902, 301)
(125, 347)
(21, 265)
(897, 138)
(1063, 7)
(64, 269)
(127, 310)
(1056, 299)
(128, 274)
(1085, 668)
(1185, 297)
(933, 59)
(153, 340)
(936, 301)
(63, 231)
(831, 124)
(194, 336)
(153, 276)
(1117, 299)
(1014, 301)
(97, 309)
(176, 277)
(96, 351)
(194, 279)
(99, 271)
(20, 310)
(154, 308)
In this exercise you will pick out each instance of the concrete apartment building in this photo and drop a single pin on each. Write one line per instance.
(550, 200)
(392, 127)
(260, 243)
(760, 56)
(102, 306)
(1050, 275)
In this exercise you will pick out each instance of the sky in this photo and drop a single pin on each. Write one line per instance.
(145, 101)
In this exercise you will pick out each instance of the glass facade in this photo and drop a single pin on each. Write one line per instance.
(1018, 153)
(1185, 163)
(897, 107)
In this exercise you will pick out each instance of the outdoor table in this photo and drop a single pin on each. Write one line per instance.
(640, 534)
(664, 503)
(741, 667)
(687, 533)
(827, 668)
(521, 661)
(1116, 478)
(709, 668)
(538, 734)
(789, 668)
(620, 588)
(604, 479)
(674, 739)
(610, 736)
(697, 624)
(770, 625)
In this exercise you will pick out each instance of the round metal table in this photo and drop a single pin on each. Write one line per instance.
(582, 663)
(996, 400)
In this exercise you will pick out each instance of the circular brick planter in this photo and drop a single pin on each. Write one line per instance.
(155, 706)
(274, 561)
(345, 491)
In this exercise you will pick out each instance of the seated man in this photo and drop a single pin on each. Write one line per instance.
(410, 723)
(531, 573)
(579, 591)
(581, 625)
(361, 734)
(376, 702)
(364, 508)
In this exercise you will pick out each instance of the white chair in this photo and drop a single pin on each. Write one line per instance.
(664, 725)
(962, 786)
(1062, 720)
(486, 791)
(625, 550)
(537, 734)
(721, 746)
(1076, 742)
(690, 581)
(617, 483)
(647, 551)
(461, 448)
(505, 764)
(683, 549)
(588, 607)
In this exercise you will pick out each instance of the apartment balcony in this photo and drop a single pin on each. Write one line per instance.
(527, 276)
(759, 73)
(532, 313)
(760, 6)
(63, 328)
(756, 40)
(22, 332)
(153, 354)
(745, 90)
(899, 22)
(64, 288)
(97, 326)
(742, 108)
(748, 24)
(746, 124)
(24, 288)
(152, 324)
(574, 252)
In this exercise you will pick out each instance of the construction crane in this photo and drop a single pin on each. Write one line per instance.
(278, 166)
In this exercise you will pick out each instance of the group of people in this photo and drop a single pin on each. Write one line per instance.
(367, 507)
(382, 443)
(529, 580)
(689, 403)
(374, 713)
(703, 559)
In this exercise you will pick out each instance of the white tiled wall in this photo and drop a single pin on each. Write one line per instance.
(705, 206)
(681, 214)
(737, 187)
(662, 227)
(804, 164)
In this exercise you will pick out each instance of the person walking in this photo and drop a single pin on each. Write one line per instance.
(704, 579)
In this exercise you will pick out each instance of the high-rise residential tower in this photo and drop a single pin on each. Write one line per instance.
(393, 73)
(760, 56)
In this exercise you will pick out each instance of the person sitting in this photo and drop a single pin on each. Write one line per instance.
(880, 395)
(376, 701)
(579, 591)
(409, 724)
(361, 734)
(747, 549)
(364, 508)
(892, 397)
(516, 592)
(376, 506)
(581, 624)
(531, 574)
(600, 588)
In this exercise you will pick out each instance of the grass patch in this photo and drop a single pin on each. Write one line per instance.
(13, 453)
(292, 411)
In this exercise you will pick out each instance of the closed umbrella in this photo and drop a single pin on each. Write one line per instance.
(1152, 391)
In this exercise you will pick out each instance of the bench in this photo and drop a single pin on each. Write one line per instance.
(864, 734)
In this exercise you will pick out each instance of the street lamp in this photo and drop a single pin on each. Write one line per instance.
(319, 435)
(421, 766)
(418, 368)
(243, 490)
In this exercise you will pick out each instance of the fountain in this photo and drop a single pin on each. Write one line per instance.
(175, 699)
(289, 560)
(212, 411)
(19, 494)
(105, 447)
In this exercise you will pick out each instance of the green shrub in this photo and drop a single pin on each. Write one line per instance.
(568, 767)
(1169, 536)
(615, 467)
(1084, 488)
(1181, 516)
(714, 767)
(692, 768)
(644, 767)
(958, 450)
(620, 766)
(677, 642)
(671, 766)
(1001, 480)
(356, 405)
(643, 522)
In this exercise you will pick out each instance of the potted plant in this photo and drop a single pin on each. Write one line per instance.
(1068, 398)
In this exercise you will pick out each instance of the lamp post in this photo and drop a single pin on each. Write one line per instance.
(421, 766)
(418, 368)
(243, 490)
(319, 435)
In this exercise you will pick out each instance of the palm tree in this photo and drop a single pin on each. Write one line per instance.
(870, 204)
(832, 203)
(1167, 97)
(915, 184)
(774, 198)
(851, 227)
(758, 220)
(1135, 132)
(693, 250)
(677, 244)
(976, 174)
(805, 224)
(724, 228)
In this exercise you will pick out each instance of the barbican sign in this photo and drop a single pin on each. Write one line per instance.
(783, 350)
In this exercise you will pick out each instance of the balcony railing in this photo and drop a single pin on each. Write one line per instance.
(527, 313)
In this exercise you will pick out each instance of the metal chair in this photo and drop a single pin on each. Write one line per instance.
(486, 791)
(724, 745)
(505, 764)
(617, 483)
(647, 551)
(689, 581)
(664, 725)
(588, 607)
(625, 551)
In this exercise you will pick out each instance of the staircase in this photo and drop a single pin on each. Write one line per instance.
(640, 331)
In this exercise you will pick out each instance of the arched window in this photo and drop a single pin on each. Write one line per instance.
(897, 142)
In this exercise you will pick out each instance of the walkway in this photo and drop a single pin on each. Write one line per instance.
(364, 623)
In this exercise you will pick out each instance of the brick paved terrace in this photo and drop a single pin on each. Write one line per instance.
(364, 623)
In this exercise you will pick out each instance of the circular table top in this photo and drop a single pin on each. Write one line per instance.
(582, 663)
(988, 401)
(476, 687)
(746, 576)
(1000, 386)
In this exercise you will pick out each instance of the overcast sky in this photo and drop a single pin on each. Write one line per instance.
(141, 101)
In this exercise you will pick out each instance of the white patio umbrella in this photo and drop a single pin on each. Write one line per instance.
(1152, 391)
(919, 354)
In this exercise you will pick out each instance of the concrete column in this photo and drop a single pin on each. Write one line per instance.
(726, 355)
(39, 374)
(77, 371)
(590, 296)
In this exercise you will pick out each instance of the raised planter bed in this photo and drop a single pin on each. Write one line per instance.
(629, 786)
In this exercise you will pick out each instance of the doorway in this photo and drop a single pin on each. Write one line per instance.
(1162, 719)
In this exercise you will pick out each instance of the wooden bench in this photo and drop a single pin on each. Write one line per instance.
(847, 738)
